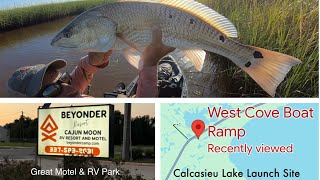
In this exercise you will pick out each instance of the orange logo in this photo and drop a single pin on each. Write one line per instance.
(49, 126)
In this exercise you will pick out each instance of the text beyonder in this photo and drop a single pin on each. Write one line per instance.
(84, 114)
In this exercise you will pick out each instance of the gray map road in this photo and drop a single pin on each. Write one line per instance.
(194, 137)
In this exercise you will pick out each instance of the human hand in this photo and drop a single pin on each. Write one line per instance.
(99, 59)
(156, 50)
(68, 91)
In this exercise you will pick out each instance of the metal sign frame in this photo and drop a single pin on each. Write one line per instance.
(111, 128)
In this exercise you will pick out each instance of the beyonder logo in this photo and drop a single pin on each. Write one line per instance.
(48, 127)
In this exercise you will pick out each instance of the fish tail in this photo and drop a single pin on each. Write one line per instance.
(269, 68)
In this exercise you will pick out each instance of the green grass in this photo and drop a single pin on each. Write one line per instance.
(20, 17)
(118, 148)
(118, 151)
(17, 144)
(287, 26)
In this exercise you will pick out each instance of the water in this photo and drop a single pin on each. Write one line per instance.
(31, 45)
(11, 4)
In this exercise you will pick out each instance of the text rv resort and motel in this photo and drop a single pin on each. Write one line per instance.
(76, 130)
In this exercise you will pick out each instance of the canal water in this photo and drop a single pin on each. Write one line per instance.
(31, 45)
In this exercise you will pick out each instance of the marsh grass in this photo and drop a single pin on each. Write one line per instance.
(20, 17)
(287, 26)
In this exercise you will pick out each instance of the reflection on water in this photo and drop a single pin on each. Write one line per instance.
(31, 45)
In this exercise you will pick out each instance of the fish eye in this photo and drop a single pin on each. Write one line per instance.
(67, 34)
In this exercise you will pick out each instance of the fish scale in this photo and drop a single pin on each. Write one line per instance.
(178, 26)
(185, 24)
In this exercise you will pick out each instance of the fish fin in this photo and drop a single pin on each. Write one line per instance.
(119, 44)
(130, 51)
(271, 68)
(133, 57)
(206, 14)
(127, 42)
(196, 56)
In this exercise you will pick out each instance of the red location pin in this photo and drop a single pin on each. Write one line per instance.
(198, 127)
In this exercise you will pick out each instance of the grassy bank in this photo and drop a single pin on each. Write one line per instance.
(287, 26)
(20, 17)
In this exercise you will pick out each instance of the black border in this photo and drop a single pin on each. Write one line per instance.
(111, 129)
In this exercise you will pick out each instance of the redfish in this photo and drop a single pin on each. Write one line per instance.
(187, 25)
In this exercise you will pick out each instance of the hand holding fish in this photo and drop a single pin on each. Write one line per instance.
(156, 50)
(98, 59)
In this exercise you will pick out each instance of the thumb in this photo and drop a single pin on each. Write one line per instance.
(156, 36)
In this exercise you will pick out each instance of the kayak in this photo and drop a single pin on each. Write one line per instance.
(171, 82)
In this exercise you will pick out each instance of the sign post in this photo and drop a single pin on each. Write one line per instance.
(77, 131)
(126, 153)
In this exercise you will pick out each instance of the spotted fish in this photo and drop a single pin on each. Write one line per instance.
(193, 28)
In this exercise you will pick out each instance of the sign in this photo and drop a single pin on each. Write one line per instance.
(76, 130)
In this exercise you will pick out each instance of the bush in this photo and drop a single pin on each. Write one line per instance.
(77, 162)
(80, 162)
(13, 170)
(149, 153)
(137, 153)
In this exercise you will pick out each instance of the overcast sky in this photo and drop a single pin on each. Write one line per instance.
(9, 112)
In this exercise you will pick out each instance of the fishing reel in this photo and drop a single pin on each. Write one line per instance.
(167, 78)
(54, 90)
(121, 90)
